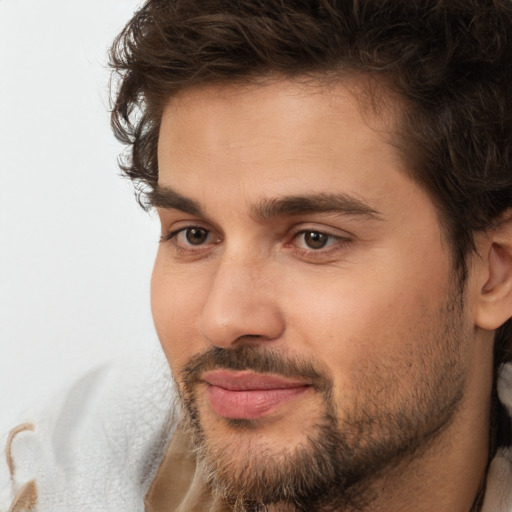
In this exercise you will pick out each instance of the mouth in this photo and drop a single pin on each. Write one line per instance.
(248, 395)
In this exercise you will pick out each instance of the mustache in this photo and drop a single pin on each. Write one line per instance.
(259, 360)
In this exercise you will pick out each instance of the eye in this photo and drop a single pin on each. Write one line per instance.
(314, 240)
(191, 236)
(195, 236)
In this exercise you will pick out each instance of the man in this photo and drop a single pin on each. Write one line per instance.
(333, 286)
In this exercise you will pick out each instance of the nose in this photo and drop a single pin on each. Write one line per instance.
(241, 305)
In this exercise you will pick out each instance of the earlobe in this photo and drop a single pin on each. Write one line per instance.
(494, 305)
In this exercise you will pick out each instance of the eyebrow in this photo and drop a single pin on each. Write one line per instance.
(168, 199)
(315, 203)
(344, 204)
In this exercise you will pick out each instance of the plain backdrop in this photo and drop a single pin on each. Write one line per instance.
(75, 249)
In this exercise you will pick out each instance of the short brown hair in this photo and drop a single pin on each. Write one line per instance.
(451, 61)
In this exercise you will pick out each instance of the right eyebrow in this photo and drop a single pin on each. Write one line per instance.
(168, 199)
(342, 204)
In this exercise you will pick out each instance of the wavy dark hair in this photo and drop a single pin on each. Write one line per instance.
(449, 60)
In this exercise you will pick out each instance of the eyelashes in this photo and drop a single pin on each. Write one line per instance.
(193, 236)
(311, 242)
(315, 240)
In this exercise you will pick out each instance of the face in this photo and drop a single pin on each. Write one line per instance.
(302, 292)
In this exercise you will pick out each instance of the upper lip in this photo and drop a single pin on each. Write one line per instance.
(248, 381)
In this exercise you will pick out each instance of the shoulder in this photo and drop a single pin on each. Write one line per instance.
(96, 446)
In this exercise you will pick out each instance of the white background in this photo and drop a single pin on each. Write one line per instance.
(75, 249)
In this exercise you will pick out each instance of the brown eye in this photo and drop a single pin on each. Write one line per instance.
(315, 239)
(196, 236)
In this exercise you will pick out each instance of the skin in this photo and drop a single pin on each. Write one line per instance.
(370, 309)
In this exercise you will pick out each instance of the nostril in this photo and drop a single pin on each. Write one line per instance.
(251, 339)
(264, 323)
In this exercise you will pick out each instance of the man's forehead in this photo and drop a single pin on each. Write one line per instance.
(373, 94)
(239, 116)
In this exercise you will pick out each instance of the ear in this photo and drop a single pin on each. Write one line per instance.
(493, 305)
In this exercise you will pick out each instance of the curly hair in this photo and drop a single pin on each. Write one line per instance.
(449, 60)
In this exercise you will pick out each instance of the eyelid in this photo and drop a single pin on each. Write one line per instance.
(342, 239)
(339, 239)
(181, 226)
(173, 220)
(308, 231)
(325, 230)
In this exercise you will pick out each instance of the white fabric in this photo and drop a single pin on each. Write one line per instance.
(100, 445)
(498, 492)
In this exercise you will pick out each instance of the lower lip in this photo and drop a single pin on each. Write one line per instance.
(250, 404)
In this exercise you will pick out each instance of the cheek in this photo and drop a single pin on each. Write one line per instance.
(383, 318)
(176, 302)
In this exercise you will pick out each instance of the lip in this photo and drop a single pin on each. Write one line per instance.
(248, 395)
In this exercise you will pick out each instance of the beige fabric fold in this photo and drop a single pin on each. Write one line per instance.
(26, 497)
(179, 485)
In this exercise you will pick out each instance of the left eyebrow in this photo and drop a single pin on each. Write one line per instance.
(169, 199)
(317, 203)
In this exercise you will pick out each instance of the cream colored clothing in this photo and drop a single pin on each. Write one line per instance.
(110, 444)
(96, 447)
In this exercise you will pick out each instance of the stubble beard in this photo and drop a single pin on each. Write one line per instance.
(343, 455)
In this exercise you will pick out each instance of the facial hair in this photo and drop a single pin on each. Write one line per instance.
(342, 454)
